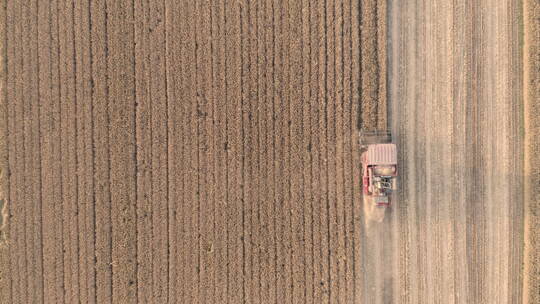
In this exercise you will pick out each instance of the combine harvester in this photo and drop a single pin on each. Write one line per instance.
(379, 173)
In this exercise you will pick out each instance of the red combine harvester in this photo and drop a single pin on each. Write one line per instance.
(379, 172)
